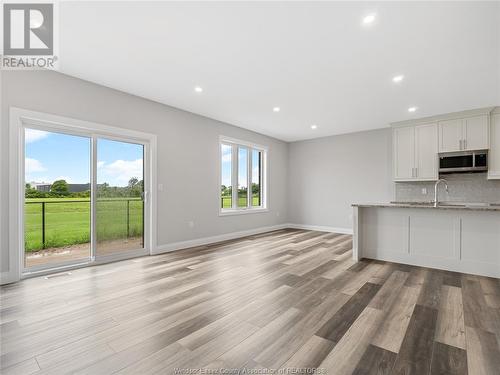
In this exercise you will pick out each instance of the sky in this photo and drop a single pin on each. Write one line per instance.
(242, 171)
(53, 156)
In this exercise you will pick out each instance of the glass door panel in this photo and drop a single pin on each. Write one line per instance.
(57, 199)
(119, 216)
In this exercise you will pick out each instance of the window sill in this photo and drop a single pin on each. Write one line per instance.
(231, 212)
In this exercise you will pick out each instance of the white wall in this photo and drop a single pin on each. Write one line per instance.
(327, 175)
(187, 152)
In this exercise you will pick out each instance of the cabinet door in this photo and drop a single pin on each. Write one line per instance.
(404, 153)
(494, 154)
(476, 133)
(450, 135)
(426, 151)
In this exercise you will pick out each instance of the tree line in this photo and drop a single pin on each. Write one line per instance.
(227, 191)
(60, 189)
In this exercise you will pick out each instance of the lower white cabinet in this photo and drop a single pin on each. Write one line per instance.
(460, 240)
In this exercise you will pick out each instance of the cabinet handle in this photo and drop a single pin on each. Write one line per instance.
(465, 144)
(416, 172)
(460, 145)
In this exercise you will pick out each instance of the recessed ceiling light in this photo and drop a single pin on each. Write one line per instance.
(369, 19)
(412, 109)
(398, 78)
(276, 109)
(313, 127)
(198, 89)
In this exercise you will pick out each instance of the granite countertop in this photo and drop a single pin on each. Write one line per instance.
(441, 206)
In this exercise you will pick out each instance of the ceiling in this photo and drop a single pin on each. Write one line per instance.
(318, 62)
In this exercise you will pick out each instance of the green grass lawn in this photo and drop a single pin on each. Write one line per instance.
(68, 222)
(242, 202)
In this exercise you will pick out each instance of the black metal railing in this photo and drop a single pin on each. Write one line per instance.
(43, 212)
(225, 199)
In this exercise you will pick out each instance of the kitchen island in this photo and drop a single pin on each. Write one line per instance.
(455, 237)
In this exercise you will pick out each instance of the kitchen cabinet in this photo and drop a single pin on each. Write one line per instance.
(450, 135)
(415, 153)
(404, 153)
(426, 155)
(494, 153)
(460, 240)
(476, 133)
(464, 134)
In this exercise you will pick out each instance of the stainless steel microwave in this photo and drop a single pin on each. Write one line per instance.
(463, 161)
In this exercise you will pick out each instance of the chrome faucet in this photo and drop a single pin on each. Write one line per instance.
(436, 202)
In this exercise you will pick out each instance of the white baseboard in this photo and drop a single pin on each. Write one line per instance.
(321, 228)
(213, 239)
(8, 277)
(233, 235)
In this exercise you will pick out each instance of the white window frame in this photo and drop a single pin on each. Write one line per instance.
(21, 119)
(249, 209)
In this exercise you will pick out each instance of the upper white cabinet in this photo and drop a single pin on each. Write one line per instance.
(464, 134)
(494, 154)
(415, 152)
(404, 152)
(417, 143)
(450, 135)
(426, 147)
(476, 133)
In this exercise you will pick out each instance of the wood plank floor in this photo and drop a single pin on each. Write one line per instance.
(289, 299)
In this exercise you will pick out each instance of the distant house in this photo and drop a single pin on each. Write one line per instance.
(40, 186)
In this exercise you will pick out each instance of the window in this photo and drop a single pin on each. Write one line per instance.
(242, 177)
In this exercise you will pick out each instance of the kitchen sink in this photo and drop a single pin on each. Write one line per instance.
(414, 203)
(452, 204)
(449, 204)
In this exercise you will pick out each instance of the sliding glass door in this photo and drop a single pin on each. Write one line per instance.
(57, 219)
(84, 198)
(119, 197)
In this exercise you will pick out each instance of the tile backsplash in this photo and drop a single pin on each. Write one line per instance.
(463, 187)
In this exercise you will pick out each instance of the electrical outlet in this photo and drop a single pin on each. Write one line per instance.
(424, 191)
(160, 187)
